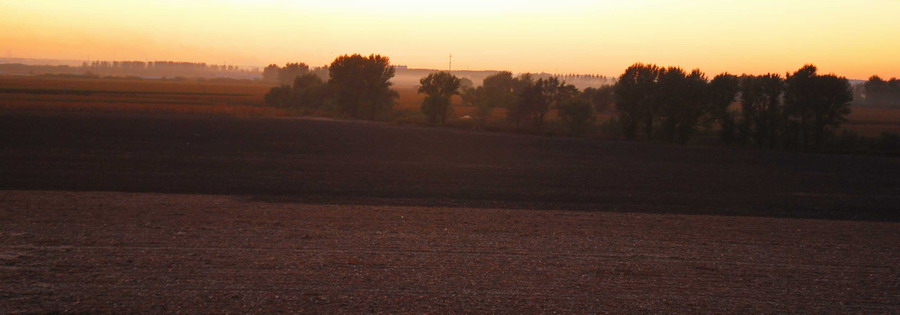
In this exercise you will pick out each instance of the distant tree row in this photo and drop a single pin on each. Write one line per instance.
(799, 111)
(357, 87)
(140, 65)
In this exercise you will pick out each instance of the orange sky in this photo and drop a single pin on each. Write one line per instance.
(851, 38)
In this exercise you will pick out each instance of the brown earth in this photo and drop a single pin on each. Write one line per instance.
(150, 213)
(163, 253)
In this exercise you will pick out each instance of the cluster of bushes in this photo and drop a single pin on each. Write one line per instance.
(357, 87)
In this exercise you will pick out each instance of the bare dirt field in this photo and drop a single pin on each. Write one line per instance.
(126, 212)
(163, 253)
(363, 162)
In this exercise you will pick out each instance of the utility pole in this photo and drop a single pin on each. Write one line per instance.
(450, 66)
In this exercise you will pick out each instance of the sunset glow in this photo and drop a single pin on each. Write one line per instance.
(851, 38)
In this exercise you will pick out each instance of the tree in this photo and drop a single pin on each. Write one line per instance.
(361, 85)
(309, 91)
(516, 109)
(722, 91)
(762, 108)
(634, 98)
(291, 71)
(877, 91)
(270, 73)
(500, 90)
(538, 98)
(815, 105)
(577, 114)
(671, 95)
(279, 96)
(439, 88)
(695, 105)
(832, 107)
(600, 98)
(474, 96)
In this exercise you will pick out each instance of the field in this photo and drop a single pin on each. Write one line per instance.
(871, 122)
(18, 93)
(162, 253)
(111, 209)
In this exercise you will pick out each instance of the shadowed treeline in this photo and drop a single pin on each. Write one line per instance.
(879, 92)
(800, 111)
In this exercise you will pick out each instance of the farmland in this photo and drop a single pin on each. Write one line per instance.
(165, 196)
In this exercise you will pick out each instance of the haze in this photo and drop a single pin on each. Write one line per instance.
(851, 38)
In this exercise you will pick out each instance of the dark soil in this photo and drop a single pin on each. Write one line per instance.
(320, 161)
(130, 213)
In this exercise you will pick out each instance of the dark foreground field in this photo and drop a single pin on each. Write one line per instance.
(151, 213)
(289, 159)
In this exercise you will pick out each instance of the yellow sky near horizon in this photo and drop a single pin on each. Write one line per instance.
(851, 38)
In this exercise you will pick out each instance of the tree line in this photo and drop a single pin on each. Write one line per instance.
(800, 110)
(528, 100)
(355, 86)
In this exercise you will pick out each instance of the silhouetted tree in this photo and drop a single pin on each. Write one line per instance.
(635, 99)
(362, 85)
(270, 73)
(832, 106)
(279, 96)
(671, 95)
(879, 92)
(600, 98)
(474, 96)
(500, 90)
(815, 105)
(577, 114)
(516, 109)
(762, 108)
(538, 98)
(722, 91)
(291, 71)
(439, 88)
(685, 106)
(309, 91)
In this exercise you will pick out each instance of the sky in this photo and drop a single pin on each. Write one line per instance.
(853, 38)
